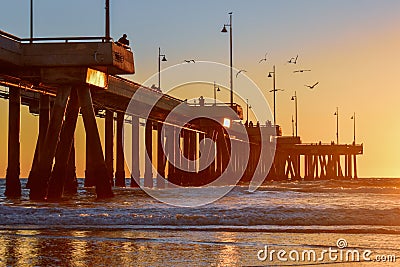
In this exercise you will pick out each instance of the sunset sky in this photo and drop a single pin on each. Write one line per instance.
(351, 47)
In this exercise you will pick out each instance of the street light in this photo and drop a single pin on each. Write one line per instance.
(295, 108)
(224, 30)
(354, 127)
(159, 66)
(31, 22)
(216, 89)
(292, 126)
(337, 125)
(274, 90)
(247, 110)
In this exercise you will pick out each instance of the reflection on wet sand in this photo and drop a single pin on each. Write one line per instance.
(228, 255)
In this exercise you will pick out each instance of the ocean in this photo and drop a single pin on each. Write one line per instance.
(299, 223)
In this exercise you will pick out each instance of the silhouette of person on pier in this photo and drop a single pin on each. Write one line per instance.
(124, 40)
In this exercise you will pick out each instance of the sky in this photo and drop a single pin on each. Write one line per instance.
(351, 48)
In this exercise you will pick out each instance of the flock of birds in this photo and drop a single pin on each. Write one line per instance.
(292, 60)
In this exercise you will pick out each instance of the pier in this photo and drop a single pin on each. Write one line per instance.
(60, 78)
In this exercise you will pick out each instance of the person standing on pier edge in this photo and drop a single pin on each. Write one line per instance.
(123, 40)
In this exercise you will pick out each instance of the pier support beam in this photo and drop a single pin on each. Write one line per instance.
(120, 164)
(44, 118)
(58, 176)
(71, 183)
(135, 172)
(13, 184)
(148, 173)
(161, 159)
(355, 166)
(174, 171)
(109, 144)
(41, 175)
(103, 185)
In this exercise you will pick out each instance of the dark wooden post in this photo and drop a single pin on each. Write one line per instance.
(148, 173)
(135, 173)
(170, 147)
(109, 144)
(355, 166)
(161, 160)
(71, 183)
(41, 175)
(350, 166)
(13, 184)
(58, 176)
(185, 178)
(103, 185)
(44, 118)
(120, 165)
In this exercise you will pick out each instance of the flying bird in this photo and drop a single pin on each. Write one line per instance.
(190, 60)
(263, 59)
(240, 72)
(293, 60)
(312, 86)
(300, 71)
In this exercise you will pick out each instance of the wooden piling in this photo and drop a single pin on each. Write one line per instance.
(13, 184)
(148, 173)
(355, 166)
(41, 175)
(161, 160)
(109, 144)
(44, 118)
(58, 176)
(120, 164)
(135, 173)
(71, 182)
(103, 185)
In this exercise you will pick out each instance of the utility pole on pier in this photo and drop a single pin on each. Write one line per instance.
(108, 37)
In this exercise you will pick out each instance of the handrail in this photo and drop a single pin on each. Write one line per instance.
(212, 104)
(147, 88)
(9, 35)
(65, 39)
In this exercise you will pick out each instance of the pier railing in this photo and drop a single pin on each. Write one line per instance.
(56, 39)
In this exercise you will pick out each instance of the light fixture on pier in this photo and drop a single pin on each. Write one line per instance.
(224, 30)
(159, 66)
(227, 123)
(337, 125)
(294, 98)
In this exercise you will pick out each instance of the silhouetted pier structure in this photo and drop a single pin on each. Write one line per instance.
(319, 161)
(61, 77)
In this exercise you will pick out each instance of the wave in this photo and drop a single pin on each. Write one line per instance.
(278, 216)
(367, 204)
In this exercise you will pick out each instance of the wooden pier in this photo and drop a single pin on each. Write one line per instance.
(61, 77)
(319, 161)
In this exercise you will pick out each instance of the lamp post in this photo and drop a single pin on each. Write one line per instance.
(272, 74)
(224, 30)
(292, 126)
(159, 66)
(216, 89)
(354, 127)
(295, 109)
(247, 110)
(108, 35)
(31, 23)
(337, 125)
